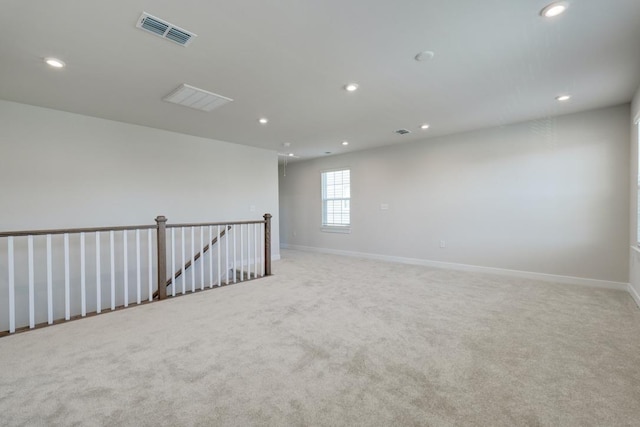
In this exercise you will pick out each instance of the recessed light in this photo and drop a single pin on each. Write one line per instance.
(351, 87)
(345, 142)
(263, 121)
(54, 62)
(424, 56)
(563, 97)
(290, 154)
(424, 126)
(554, 9)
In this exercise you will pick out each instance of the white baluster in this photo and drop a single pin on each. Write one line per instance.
(210, 257)
(83, 279)
(125, 255)
(235, 272)
(138, 275)
(113, 269)
(67, 290)
(193, 261)
(173, 262)
(32, 314)
(255, 251)
(49, 282)
(12, 286)
(248, 251)
(248, 243)
(201, 258)
(226, 252)
(241, 253)
(150, 263)
(98, 274)
(219, 255)
(184, 261)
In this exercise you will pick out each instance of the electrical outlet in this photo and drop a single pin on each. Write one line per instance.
(443, 244)
(384, 206)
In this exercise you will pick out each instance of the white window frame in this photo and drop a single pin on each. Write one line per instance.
(334, 227)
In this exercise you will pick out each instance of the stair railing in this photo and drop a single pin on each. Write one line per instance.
(53, 276)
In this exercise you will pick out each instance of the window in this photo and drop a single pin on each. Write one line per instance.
(336, 199)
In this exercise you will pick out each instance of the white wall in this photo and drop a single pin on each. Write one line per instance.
(61, 170)
(548, 196)
(634, 268)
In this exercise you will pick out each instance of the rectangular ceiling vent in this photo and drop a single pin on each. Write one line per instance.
(402, 131)
(193, 97)
(164, 29)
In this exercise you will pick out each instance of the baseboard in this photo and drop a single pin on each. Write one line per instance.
(634, 294)
(594, 283)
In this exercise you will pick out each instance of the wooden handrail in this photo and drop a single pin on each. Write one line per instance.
(195, 258)
(76, 230)
(117, 228)
(206, 224)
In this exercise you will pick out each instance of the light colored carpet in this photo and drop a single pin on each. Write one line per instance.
(339, 341)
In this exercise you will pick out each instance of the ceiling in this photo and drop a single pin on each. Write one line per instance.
(496, 62)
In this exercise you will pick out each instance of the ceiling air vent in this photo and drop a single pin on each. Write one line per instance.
(164, 29)
(193, 97)
(402, 131)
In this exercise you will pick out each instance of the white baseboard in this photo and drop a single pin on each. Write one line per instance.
(594, 283)
(634, 294)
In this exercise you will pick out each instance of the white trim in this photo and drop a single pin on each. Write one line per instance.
(637, 119)
(335, 229)
(636, 248)
(634, 294)
(335, 169)
(594, 283)
(275, 257)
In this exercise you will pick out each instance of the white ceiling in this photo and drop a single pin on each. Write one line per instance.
(496, 62)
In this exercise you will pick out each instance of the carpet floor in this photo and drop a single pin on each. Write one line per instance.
(333, 341)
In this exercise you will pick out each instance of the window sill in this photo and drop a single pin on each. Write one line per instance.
(343, 230)
(636, 248)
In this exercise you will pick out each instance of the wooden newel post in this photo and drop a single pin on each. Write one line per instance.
(162, 256)
(267, 244)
